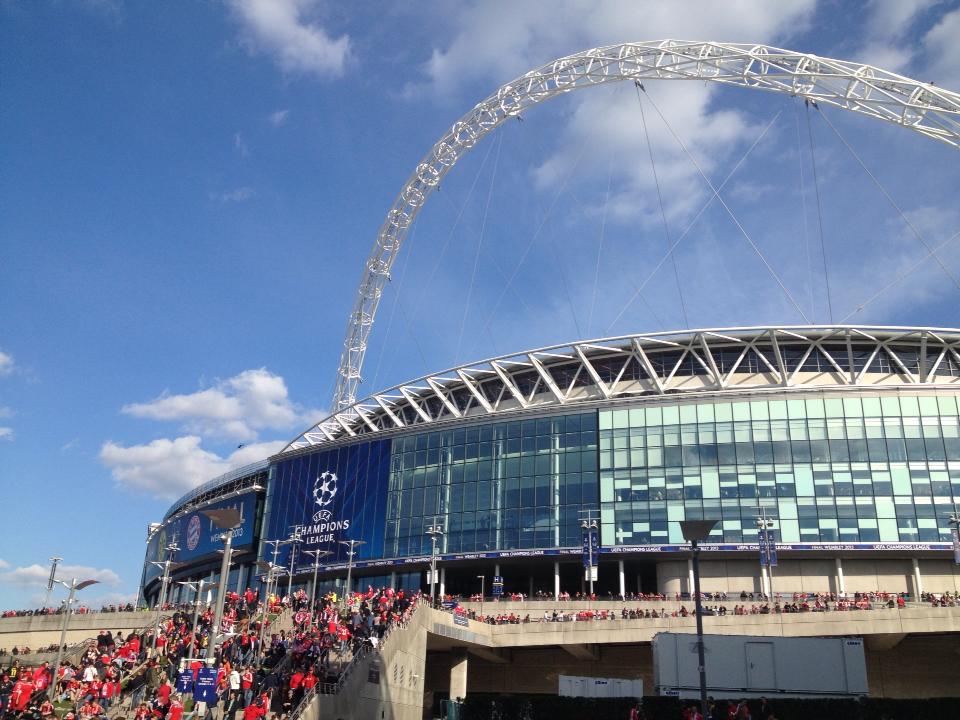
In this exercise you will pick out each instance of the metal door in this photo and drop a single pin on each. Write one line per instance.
(761, 672)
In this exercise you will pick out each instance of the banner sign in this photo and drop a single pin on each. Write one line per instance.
(197, 536)
(327, 497)
(184, 681)
(461, 620)
(205, 689)
(591, 547)
(768, 548)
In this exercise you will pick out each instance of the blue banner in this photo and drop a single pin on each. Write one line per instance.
(591, 548)
(205, 689)
(328, 497)
(197, 536)
(184, 681)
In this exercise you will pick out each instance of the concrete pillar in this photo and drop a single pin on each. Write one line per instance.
(458, 673)
(841, 583)
(690, 576)
(917, 580)
(393, 579)
(443, 582)
(623, 580)
(556, 581)
(763, 580)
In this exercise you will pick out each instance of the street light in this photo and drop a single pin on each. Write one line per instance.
(483, 580)
(694, 531)
(763, 525)
(226, 519)
(167, 564)
(434, 531)
(955, 534)
(351, 544)
(198, 587)
(52, 579)
(317, 554)
(589, 525)
(294, 540)
(272, 569)
(73, 587)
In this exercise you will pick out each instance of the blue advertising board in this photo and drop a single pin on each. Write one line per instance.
(591, 548)
(205, 689)
(197, 536)
(184, 681)
(328, 497)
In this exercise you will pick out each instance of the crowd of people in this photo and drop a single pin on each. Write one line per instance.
(139, 672)
(79, 610)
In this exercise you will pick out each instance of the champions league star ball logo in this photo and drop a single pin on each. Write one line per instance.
(193, 533)
(325, 489)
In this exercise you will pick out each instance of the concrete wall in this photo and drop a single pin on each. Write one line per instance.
(811, 575)
(42, 630)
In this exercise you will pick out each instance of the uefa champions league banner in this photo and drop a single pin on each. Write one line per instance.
(197, 536)
(329, 497)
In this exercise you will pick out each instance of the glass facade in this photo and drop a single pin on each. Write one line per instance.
(847, 469)
(501, 486)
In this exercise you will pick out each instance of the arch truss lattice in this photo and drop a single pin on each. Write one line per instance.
(863, 89)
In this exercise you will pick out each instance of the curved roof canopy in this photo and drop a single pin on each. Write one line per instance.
(658, 364)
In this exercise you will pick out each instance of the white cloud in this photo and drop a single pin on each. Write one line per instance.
(38, 574)
(236, 408)
(499, 39)
(6, 433)
(943, 49)
(240, 144)
(168, 468)
(3, 564)
(283, 29)
(279, 117)
(6, 363)
(239, 195)
(887, 24)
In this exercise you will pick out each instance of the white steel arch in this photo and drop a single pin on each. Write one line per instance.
(863, 89)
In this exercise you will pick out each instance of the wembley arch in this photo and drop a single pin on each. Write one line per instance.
(863, 89)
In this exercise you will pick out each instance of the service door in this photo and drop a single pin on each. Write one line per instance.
(761, 672)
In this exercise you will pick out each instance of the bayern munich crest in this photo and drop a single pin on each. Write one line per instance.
(193, 532)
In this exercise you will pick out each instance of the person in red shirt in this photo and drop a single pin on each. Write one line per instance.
(176, 708)
(22, 690)
(309, 680)
(246, 685)
(163, 694)
(254, 711)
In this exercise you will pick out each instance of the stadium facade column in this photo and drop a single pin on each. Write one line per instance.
(443, 582)
(763, 581)
(841, 585)
(690, 576)
(623, 580)
(556, 580)
(393, 578)
(917, 580)
(458, 673)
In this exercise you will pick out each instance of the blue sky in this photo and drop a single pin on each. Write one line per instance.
(189, 191)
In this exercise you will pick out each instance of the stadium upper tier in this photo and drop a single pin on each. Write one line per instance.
(752, 359)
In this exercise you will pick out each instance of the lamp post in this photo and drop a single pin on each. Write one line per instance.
(954, 521)
(226, 519)
(483, 581)
(317, 554)
(694, 531)
(52, 579)
(352, 545)
(294, 540)
(198, 587)
(589, 526)
(271, 569)
(167, 564)
(434, 531)
(765, 524)
(73, 587)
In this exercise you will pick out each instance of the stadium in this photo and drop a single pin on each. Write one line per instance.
(568, 469)
(847, 438)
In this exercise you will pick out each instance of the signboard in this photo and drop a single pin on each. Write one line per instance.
(461, 621)
(205, 689)
(768, 548)
(184, 681)
(497, 588)
(330, 496)
(591, 548)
